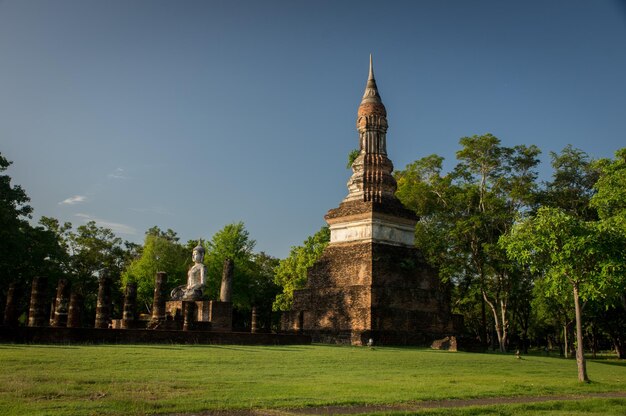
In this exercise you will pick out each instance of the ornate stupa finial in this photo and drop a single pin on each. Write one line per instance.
(371, 104)
(371, 179)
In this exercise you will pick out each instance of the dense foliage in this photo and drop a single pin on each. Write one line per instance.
(537, 256)
(291, 273)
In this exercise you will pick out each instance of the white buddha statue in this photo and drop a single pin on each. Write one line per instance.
(196, 278)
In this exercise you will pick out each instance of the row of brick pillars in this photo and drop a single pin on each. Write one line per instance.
(67, 307)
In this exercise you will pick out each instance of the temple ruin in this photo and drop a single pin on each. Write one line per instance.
(371, 282)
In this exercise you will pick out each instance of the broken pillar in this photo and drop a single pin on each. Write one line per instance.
(221, 312)
(227, 281)
(189, 315)
(103, 305)
(74, 312)
(221, 316)
(10, 308)
(51, 315)
(129, 315)
(254, 322)
(158, 304)
(61, 304)
(37, 309)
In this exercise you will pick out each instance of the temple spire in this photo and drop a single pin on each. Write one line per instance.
(371, 179)
(371, 101)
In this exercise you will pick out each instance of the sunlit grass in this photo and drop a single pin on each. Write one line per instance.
(140, 379)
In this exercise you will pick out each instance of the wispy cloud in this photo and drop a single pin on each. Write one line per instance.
(116, 227)
(117, 174)
(73, 200)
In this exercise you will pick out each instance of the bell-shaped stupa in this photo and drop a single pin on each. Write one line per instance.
(371, 282)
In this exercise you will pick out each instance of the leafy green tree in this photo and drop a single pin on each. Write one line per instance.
(610, 201)
(262, 288)
(584, 258)
(572, 184)
(160, 252)
(14, 214)
(95, 249)
(464, 212)
(169, 235)
(25, 251)
(498, 183)
(232, 242)
(291, 273)
(553, 314)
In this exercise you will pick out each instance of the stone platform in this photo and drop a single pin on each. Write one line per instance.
(49, 335)
(369, 290)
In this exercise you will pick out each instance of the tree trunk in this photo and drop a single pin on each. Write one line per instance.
(505, 325)
(620, 347)
(484, 322)
(580, 350)
(498, 324)
(565, 341)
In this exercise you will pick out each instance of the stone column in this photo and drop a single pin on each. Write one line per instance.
(61, 303)
(37, 309)
(76, 305)
(103, 306)
(51, 315)
(254, 324)
(129, 316)
(300, 327)
(158, 305)
(189, 315)
(10, 309)
(227, 281)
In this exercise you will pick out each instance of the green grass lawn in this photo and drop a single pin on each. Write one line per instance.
(146, 379)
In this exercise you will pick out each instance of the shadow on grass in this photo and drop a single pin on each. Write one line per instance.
(46, 346)
(621, 363)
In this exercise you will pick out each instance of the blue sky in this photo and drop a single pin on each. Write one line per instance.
(192, 115)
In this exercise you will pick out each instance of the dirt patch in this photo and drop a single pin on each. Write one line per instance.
(407, 407)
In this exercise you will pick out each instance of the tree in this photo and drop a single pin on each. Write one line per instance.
(94, 249)
(14, 212)
(231, 242)
(610, 201)
(553, 314)
(499, 183)
(572, 184)
(584, 258)
(291, 273)
(25, 251)
(262, 288)
(464, 212)
(160, 252)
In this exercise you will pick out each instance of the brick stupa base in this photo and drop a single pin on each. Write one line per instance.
(363, 291)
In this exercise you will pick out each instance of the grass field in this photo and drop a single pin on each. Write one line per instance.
(149, 379)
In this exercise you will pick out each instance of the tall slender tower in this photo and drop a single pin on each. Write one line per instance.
(371, 211)
(371, 282)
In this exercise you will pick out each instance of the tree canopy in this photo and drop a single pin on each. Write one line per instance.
(160, 252)
(291, 273)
